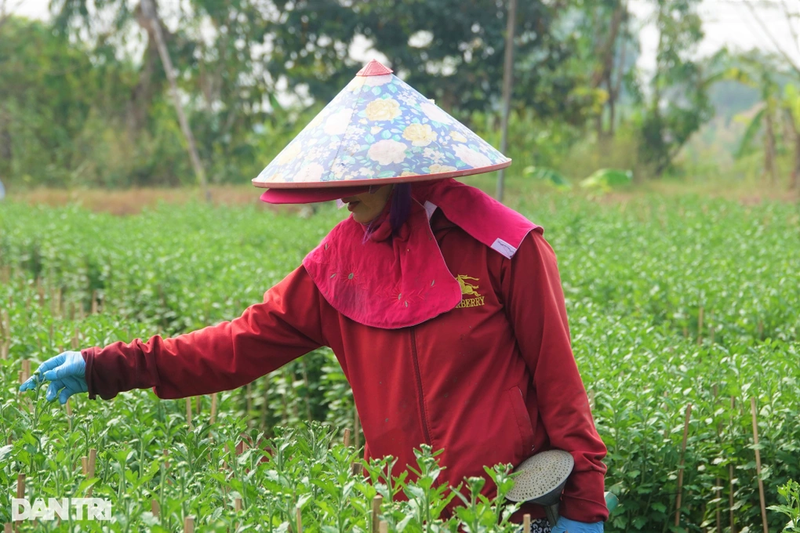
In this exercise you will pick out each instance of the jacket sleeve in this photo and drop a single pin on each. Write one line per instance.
(226, 356)
(531, 287)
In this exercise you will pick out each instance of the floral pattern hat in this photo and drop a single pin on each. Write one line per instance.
(378, 130)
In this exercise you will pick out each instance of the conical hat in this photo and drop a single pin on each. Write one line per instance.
(379, 130)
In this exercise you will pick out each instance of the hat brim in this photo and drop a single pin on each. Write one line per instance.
(310, 196)
(377, 182)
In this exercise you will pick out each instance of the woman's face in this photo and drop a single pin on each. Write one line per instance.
(367, 206)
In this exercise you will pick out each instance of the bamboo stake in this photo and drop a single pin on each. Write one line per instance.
(730, 476)
(299, 520)
(680, 467)
(197, 404)
(91, 468)
(155, 509)
(76, 339)
(213, 417)
(700, 325)
(248, 402)
(189, 413)
(730, 498)
(357, 430)
(347, 437)
(758, 465)
(26, 370)
(188, 524)
(7, 528)
(718, 490)
(376, 511)
(526, 523)
(20, 486)
(383, 527)
(237, 506)
(84, 465)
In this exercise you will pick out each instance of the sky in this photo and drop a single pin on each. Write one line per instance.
(726, 23)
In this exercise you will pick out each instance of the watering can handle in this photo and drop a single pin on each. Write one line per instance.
(611, 501)
(552, 510)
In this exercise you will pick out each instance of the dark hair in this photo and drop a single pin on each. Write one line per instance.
(401, 206)
(399, 209)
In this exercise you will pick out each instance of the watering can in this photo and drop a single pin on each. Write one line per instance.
(541, 479)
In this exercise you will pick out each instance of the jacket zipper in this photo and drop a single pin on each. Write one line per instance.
(425, 431)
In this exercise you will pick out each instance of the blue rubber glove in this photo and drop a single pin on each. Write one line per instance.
(565, 525)
(66, 372)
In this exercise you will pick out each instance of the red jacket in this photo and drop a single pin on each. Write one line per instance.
(491, 381)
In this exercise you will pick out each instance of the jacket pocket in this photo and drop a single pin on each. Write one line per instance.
(523, 419)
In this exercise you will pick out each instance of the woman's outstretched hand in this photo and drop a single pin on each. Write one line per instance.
(66, 372)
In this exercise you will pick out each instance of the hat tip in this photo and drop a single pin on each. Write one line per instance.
(374, 68)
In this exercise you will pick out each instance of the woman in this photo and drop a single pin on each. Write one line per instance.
(443, 306)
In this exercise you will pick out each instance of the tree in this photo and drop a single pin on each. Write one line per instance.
(608, 48)
(47, 88)
(450, 50)
(676, 103)
(791, 107)
(756, 70)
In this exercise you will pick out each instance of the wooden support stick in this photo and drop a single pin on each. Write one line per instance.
(155, 509)
(758, 465)
(26, 371)
(526, 523)
(730, 497)
(237, 504)
(383, 527)
(680, 467)
(20, 486)
(84, 465)
(213, 417)
(356, 435)
(189, 413)
(700, 325)
(376, 511)
(76, 339)
(347, 437)
(7, 528)
(248, 401)
(91, 468)
(188, 524)
(197, 404)
(299, 520)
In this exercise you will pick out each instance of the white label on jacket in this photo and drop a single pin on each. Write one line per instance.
(430, 208)
(505, 249)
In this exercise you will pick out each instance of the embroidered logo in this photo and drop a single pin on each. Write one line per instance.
(470, 297)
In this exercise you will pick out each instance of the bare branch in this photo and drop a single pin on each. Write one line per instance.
(795, 66)
(789, 16)
(5, 14)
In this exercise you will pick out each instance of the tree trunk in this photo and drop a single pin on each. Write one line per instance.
(604, 72)
(794, 178)
(149, 12)
(769, 148)
(5, 138)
